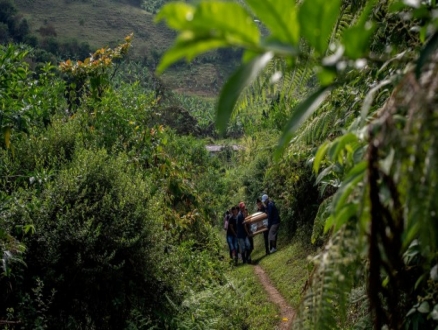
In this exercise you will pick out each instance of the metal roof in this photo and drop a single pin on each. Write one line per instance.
(217, 148)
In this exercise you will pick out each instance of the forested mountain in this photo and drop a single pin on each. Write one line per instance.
(72, 29)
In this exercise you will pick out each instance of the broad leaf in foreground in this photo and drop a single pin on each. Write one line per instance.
(208, 26)
(299, 114)
(317, 19)
(235, 85)
(280, 17)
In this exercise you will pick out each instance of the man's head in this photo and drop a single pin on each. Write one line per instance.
(264, 198)
(242, 206)
(234, 210)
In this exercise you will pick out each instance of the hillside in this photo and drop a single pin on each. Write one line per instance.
(111, 220)
(106, 22)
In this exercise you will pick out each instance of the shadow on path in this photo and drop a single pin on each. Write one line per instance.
(287, 312)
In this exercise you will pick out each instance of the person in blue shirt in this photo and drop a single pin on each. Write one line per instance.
(273, 222)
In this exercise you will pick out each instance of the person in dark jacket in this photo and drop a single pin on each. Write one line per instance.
(242, 235)
(248, 230)
(227, 217)
(273, 222)
(232, 233)
(262, 208)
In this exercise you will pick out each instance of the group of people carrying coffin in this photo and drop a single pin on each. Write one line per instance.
(241, 228)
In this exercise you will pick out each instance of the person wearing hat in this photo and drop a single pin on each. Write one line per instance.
(242, 235)
(273, 222)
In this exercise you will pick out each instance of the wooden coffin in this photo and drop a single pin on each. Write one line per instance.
(257, 222)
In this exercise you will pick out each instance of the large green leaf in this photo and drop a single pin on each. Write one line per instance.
(235, 85)
(188, 49)
(320, 155)
(328, 224)
(279, 48)
(356, 39)
(426, 52)
(178, 15)
(208, 26)
(356, 175)
(317, 19)
(280, 17)
(228, 20)
(299, 114)
(218, 19)
(346, 213)
(324, 173)
(339, 145)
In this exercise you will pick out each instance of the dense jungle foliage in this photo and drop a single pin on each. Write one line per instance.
(106, 215)
(110, 203)
(354, 86)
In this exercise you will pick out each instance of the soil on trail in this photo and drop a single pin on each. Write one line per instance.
(287, 312)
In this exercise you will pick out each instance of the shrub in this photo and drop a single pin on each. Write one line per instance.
(94, 242)
(4, 32)
(50, 44)
(7, 10)
(25, 102)
(47, 31)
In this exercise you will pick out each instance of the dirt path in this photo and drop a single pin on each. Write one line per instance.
(287, 312)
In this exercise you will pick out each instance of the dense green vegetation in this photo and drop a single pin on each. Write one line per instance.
(110, 205)
(106, 215)
(363, 73)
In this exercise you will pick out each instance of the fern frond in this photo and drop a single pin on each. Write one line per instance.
(319, 127)
(334, 277)
(319, 222)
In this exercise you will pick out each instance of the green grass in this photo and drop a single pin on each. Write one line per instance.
(262, 313)
(104, 22)
(288, 268)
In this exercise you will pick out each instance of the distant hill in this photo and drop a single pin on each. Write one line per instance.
(106, 22)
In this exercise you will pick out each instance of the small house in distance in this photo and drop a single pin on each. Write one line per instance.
(211, 148)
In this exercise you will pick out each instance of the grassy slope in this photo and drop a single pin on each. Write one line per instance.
(288, 270)
(106, 22)
(263, 314)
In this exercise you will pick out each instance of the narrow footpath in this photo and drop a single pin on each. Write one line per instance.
(287, 312)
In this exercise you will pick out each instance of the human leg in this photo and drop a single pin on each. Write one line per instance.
(265, 237)
(251, 243)
(243, 248)
(249, 248)
(273, 237)
(231, 245)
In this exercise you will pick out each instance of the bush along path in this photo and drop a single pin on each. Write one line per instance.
(287, 312)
